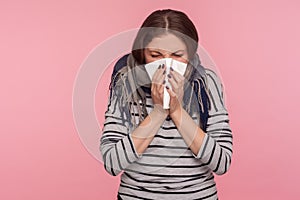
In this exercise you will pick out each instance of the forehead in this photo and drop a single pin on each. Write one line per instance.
(168, 42)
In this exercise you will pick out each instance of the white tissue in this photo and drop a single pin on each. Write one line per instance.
(180, 67)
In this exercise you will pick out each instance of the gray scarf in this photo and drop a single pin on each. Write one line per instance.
(137, 84)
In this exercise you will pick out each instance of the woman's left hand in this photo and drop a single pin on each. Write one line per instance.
(176, 93)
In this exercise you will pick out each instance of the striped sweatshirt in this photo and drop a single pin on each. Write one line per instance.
(168, 169)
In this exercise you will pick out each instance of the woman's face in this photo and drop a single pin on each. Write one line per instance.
(166, 46)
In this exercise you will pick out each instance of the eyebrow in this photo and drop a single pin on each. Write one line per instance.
(154, 50)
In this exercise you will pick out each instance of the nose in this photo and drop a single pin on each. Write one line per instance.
(167, 55)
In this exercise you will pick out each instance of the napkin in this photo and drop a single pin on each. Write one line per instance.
(180, 67)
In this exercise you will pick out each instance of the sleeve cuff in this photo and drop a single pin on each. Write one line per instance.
(131, 150)
(205, 148)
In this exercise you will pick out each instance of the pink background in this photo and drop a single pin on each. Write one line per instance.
(255, 45)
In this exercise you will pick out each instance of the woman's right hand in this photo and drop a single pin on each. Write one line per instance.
(157, 88)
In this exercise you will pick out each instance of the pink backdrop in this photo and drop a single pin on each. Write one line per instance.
(255, 45)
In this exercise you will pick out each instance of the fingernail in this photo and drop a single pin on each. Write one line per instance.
(167, 87)
(163, 66)
(164, 81)
(164, 72)
(169, 76)
(171, 68)
(159, 66)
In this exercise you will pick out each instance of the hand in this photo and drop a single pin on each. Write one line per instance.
(157, 88)
(176, 93)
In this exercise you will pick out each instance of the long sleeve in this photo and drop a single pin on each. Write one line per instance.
(216, 149)
(116, 144)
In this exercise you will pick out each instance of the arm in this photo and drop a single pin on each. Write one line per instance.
(213, 148)
(144, 133)
(119, 147)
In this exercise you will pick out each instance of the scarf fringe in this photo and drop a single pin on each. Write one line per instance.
(131, 94)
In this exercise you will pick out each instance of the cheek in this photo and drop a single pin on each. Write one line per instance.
(149, 59)
(181, 59)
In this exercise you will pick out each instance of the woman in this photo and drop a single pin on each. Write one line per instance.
(166, 153)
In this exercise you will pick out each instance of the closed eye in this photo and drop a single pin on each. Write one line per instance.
(154, 56)
(178, 55)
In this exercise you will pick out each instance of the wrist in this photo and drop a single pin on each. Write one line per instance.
(176, 114)
(160, 111)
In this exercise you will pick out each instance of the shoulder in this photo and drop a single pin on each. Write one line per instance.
(213, 79)
(122, 62)
(117, 87)
(119, 78)
(211, 73)
(215, 89)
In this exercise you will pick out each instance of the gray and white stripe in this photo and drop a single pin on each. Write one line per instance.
(168, 169)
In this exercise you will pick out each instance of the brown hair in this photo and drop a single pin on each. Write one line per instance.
(158, 23)
(162, 22)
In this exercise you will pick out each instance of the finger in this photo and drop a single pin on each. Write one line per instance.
(159, 85)
(173, 83)
(158, 74)
(177, 76)
(162, 72)
(155, 82)
(162, 81)
(173, 96)
(177, 89)
(171, 92)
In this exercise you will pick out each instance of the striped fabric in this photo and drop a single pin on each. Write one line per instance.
(168, 169)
